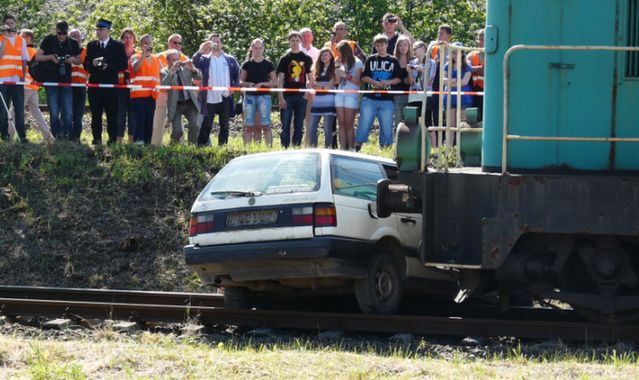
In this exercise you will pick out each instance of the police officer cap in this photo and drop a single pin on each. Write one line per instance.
(102, 23)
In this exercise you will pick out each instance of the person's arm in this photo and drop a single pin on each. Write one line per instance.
(280, 95)
(3, 46)
(243, 82)
(357, 78)
(405, 31)
(272, 80)
(42, 57)
(136, 62)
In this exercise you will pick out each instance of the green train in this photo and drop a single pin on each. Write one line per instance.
(552, 212)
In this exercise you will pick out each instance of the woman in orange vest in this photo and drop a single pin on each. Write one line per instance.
(125, 111)
(13, 58)
(145, 71)
(79, 76)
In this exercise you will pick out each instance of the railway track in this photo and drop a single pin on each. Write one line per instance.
(208, 310)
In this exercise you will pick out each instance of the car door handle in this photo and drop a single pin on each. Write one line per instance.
(408, 220)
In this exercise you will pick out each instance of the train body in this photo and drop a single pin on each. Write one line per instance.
(557, 215)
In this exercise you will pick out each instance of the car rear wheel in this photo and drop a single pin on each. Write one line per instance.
(381, 292)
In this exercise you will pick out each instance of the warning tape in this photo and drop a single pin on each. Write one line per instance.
(240, 89)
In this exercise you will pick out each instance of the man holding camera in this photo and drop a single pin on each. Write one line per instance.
(57, 52)
(391, 22)
(145, 71)
(13, 59)
(182, 102)
(105, 58)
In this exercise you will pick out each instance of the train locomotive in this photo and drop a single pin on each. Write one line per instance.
(552, 212)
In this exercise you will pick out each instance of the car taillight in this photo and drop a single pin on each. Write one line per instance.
(201, 224)
(302, 216)
(325, 216)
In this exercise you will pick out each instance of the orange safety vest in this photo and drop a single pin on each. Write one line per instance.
(477, 60)
(123, 74)
(28, 78)
(147, 75)
(11, 61)
(333, 47)
(78, 73)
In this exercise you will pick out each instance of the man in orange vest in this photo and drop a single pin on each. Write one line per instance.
(145, 71)
(161, 110)
(31, 94)
(476, 60)
(79, 76)
(13, 67)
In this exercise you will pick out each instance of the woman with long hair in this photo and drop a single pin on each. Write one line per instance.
(403, 52)
(125, 111)
(257, 72)
(423, 70)
(323, 78)
(348, 71)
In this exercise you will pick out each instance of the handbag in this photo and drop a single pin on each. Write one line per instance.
(38, 70)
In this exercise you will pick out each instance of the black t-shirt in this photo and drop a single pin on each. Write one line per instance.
(403, 86)
(379, 69)
(295, 67)
(51, 45)
(257, 72)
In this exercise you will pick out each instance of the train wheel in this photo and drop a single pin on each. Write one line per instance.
(236, 298)
(381, 292)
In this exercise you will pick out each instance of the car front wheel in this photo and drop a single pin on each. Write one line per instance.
(381, 292)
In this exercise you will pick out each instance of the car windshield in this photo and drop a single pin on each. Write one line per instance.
(266, 174)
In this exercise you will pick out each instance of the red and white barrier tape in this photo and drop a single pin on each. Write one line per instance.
(240, 89)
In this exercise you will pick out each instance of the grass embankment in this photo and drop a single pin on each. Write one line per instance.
(158, 356)
(115, 217)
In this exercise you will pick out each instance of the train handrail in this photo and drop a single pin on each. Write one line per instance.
(506, 137)
(447, 128)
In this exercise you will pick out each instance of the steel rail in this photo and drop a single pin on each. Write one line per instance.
(110, 295)
(457, 326)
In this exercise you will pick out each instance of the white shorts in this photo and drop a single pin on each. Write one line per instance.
(346, 100)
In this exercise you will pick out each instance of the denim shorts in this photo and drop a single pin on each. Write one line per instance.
(253, 104)
(347, 100)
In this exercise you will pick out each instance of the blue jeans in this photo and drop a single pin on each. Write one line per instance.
(295, 110)
(257, 104)
(12, 94)
(383, 110)
(60, 102)
(328, 129)
(79, 105)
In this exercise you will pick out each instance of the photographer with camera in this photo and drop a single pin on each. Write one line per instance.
(391, 22)
(57, 52)
(145, 71)
(13, 66)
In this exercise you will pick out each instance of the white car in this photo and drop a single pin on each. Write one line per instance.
(296, 220)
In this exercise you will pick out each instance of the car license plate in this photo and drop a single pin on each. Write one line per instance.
(251, 218)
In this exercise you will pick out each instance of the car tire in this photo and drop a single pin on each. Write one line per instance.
(236, 298)
(381, 292)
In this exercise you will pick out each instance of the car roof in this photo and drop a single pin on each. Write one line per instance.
(324, 153)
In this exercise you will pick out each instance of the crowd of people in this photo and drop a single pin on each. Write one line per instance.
(396, 62)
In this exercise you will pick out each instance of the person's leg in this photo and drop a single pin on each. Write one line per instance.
(53, 101)
(311, 130)
(177, 129)
(4, 115)
(159, 118)
(385, 117)
(96, 107)
(149, 109)
(349, 123)
(111, 108)
(193, 117)
(366, 118)
(307, 119)
(79, 101)
(138, 129)
(328, 130)
(207, 125)
(17, 99)
(250, 112)
(224, 112)
(299, 112)
(31, 103)
(286, 116)
(399, 102)
(124, 103)
(66, 107)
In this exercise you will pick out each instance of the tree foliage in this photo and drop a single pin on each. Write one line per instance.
(241, 21)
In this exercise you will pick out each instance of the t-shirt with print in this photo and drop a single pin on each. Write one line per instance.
(257, 72)
(379, 69)
(295, 67)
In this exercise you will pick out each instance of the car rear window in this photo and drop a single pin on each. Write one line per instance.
(266, 174)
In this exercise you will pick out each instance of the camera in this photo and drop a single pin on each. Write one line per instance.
(100, 62)
(149, 49)
(392, 20)
(7, 30)
(62, 64)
